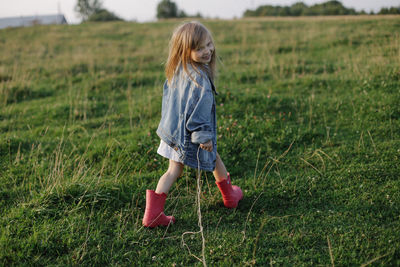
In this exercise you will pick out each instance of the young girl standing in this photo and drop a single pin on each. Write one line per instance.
(188, 128)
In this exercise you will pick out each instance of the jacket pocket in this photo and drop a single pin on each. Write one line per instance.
(207, 157)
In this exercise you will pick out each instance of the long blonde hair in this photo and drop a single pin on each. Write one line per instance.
(186, 38)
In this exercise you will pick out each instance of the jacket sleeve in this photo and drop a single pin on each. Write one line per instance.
(199, 121)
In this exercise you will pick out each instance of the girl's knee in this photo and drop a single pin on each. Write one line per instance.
(178, 172)
(175, 169)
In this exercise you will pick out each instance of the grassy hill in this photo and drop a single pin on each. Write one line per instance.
(308, 115)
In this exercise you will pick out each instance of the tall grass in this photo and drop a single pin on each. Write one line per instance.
(308, 117)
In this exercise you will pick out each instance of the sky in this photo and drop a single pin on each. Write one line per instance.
(145, 10)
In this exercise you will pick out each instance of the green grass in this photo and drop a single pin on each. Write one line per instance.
(308, 116)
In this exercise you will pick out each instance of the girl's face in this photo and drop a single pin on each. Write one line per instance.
(203, 53)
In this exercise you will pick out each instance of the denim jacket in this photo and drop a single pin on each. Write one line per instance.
(188, 118)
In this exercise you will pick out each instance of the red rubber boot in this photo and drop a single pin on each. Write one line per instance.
(231, 194)
(154, 213)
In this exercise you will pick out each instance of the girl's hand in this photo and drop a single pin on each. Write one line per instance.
(207, 146)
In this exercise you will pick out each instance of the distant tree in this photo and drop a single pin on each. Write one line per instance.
(104, 15)
(332, 7)
(383, 11)
(394, 10)
(182, 14)
(266, 10)
(389, 11)
(198, 15)
(298, 9)
(92, 10)
(283, 11)
(86, 8)
(250, 13)
(167, 9)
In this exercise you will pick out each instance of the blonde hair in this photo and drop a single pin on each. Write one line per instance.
(187, 37)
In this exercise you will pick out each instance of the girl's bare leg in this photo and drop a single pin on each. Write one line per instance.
(220, 172)
(169, 177)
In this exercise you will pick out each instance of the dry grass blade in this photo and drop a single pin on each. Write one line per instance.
(374, 260)
(248, 215)
(276, 161)
(373, 143)
(330, 251)
(312, 166)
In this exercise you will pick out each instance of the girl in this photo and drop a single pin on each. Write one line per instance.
(188, 121)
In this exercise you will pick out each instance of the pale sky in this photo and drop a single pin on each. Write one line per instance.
(145, 10)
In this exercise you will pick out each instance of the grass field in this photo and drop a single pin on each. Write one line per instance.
(308, 115)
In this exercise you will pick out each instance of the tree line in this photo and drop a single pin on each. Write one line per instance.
(328, 8)
(93, 10)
